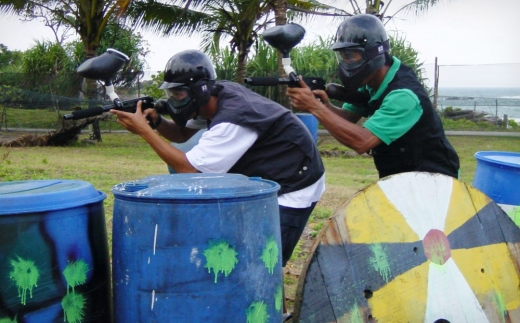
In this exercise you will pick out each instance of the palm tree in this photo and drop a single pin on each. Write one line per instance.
(375, 7)
(87, 17)
(241, 21)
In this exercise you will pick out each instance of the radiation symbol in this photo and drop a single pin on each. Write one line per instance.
(414, 247)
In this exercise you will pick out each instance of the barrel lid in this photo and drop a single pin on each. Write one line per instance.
(504, 158)
(45, 195)
(195, 186)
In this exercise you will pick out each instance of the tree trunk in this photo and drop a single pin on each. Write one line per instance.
(92, 94)
(242, 63)
(280, 16)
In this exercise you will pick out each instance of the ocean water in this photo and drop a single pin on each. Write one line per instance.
(495, 101)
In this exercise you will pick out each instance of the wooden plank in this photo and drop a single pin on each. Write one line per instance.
(313, 287)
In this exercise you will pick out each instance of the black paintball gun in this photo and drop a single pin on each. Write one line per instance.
(284, 38)
(102, 68)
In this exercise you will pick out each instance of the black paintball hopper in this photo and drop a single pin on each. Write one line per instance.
(104, 66)
(284, 37)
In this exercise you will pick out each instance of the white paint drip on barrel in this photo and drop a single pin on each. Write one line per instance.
(153, 298)
(155, 239)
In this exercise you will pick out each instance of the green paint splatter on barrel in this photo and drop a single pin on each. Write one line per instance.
(25, 275)
(270, 254)
(379, 261)
(75, 274)
(278, 298)
(220, 257)
(73, 304)
(8, 320)
(257, 313)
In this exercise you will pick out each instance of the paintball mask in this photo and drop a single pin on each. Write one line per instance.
(361, 44)
(189, 77)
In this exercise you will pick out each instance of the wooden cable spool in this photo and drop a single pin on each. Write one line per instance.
(413, 247)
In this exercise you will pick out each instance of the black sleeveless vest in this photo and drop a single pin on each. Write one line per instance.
(424, 148)
(284, 151)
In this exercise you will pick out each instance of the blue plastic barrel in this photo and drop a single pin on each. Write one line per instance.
(498, 176)
(311, 122)
(54, 263)
(197, 248)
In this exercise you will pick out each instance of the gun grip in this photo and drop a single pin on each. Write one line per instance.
(315, 83)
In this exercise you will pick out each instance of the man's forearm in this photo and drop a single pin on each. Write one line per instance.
(345, 114)
(346, 132)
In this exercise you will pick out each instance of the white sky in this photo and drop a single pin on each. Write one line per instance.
(479, 33)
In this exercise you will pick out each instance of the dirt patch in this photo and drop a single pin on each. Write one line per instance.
(60, 137)
(342, 153)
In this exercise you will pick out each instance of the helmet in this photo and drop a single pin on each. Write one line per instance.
(361, 44)
(192, 74)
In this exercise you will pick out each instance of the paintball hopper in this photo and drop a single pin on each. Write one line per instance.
(104, 66)
(284, 37)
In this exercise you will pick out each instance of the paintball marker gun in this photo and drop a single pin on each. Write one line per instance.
(102, 68)
(284, 38)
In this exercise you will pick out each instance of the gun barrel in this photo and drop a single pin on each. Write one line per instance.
(265, 81)
(82, 114)
(338, 92)
(127, 106)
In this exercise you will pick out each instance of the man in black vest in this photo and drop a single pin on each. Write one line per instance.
(247, 134)
(403, 131)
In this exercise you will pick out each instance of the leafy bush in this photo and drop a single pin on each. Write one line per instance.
(465, 124)
(403, 50)
(10, 95)
(512, 124)
(152, 88)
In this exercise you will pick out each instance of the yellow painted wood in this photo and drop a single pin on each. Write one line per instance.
(371, 217)
(490, 271)
(409, 288)
(464, 203)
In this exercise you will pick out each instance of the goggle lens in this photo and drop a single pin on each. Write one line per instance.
(178, 97)
(350, 58)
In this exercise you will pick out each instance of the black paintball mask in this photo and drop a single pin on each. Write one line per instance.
(356, 63)
(185, 100)
(361, 48)
(189, 78)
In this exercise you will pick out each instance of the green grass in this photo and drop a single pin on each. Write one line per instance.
(45, 119)
(50, 119)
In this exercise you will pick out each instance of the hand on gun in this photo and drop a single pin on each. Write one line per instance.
(305, 99)
(137, 122)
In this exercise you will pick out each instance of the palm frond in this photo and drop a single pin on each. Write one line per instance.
(314, 8)
(167, 19)
(13, 6)
(417, 6)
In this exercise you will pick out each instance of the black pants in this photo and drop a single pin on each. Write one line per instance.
(293, 222)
